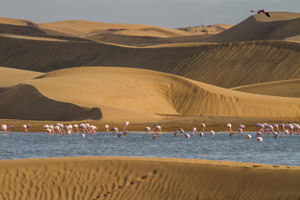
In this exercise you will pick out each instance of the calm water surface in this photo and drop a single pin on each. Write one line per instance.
(285, 150)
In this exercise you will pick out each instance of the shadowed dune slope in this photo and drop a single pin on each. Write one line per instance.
(82, 28)
(10, 76)
(143, 95)
(226, 65)
(145, 178)
(279, 26)
(27, 103)
(286, 88)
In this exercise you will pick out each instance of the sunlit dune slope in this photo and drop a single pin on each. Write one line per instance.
(143, 95)
(145, 178)
(82, 28)
(225, 65)
(25, 102)
(11, 76)
(286, 88)
(210, 29)
(279, 26)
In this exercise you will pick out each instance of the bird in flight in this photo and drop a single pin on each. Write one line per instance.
(261, 11)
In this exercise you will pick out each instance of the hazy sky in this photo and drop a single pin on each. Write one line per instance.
(169, 13)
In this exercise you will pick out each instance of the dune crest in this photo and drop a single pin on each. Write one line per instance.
(83, 28)
(285, 88)
(279, 26)
(225, 65)
(143, 95)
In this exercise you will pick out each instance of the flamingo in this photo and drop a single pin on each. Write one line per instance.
(230, 129)
(156, 131)
(125, 128)
(194, 130)
(212, 133)
(261, 11)
(115, 131)
(249, 136)
(240, 129)
(106, 127)
(260, 139)
(4, 128)
(76, 128)
(147, 130)
(186, 135)
(201, 134)
(26, 128)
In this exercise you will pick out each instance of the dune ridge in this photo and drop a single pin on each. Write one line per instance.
(279, 26)
(145, 178)
(83, 28)
(142, 96)
(226, 65)
(286, 88)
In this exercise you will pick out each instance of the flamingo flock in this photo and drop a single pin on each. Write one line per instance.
(274, 130)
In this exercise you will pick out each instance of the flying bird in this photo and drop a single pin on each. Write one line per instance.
(261, 11)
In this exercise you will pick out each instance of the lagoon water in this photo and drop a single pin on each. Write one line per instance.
(285, 150)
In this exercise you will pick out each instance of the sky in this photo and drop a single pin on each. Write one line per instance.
(167, 13)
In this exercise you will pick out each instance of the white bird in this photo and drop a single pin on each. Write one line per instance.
(194, 130)
(260, 139)
(249, 136)
(147, 130)
(106, 127)
(212, 133)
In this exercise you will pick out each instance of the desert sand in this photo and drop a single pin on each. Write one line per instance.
(286, 88)
(81, 71)
(120, 94)
(225, 65)
(145, 178)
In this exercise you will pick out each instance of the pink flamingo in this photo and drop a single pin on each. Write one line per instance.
(4, 128)
(106, 127)
(231, 133)
(156, 131)
(76, 128)
(194, 130)
(201, 134)
(126, 128)
(26, 128)
(147, 130)
(261, 11)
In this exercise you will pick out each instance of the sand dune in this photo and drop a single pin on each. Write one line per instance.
(286, 88)
(25, 102)
(146, 96)
(145, 178)
(82, 28)
(226, 65)
(210, 29)
(11, 76)
(279, 26)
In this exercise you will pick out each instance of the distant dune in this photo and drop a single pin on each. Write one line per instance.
(82, 28)
(279, 26)
(286, 88)
(144, 96)
(225, 65)
(210, 29)
(145, 178)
